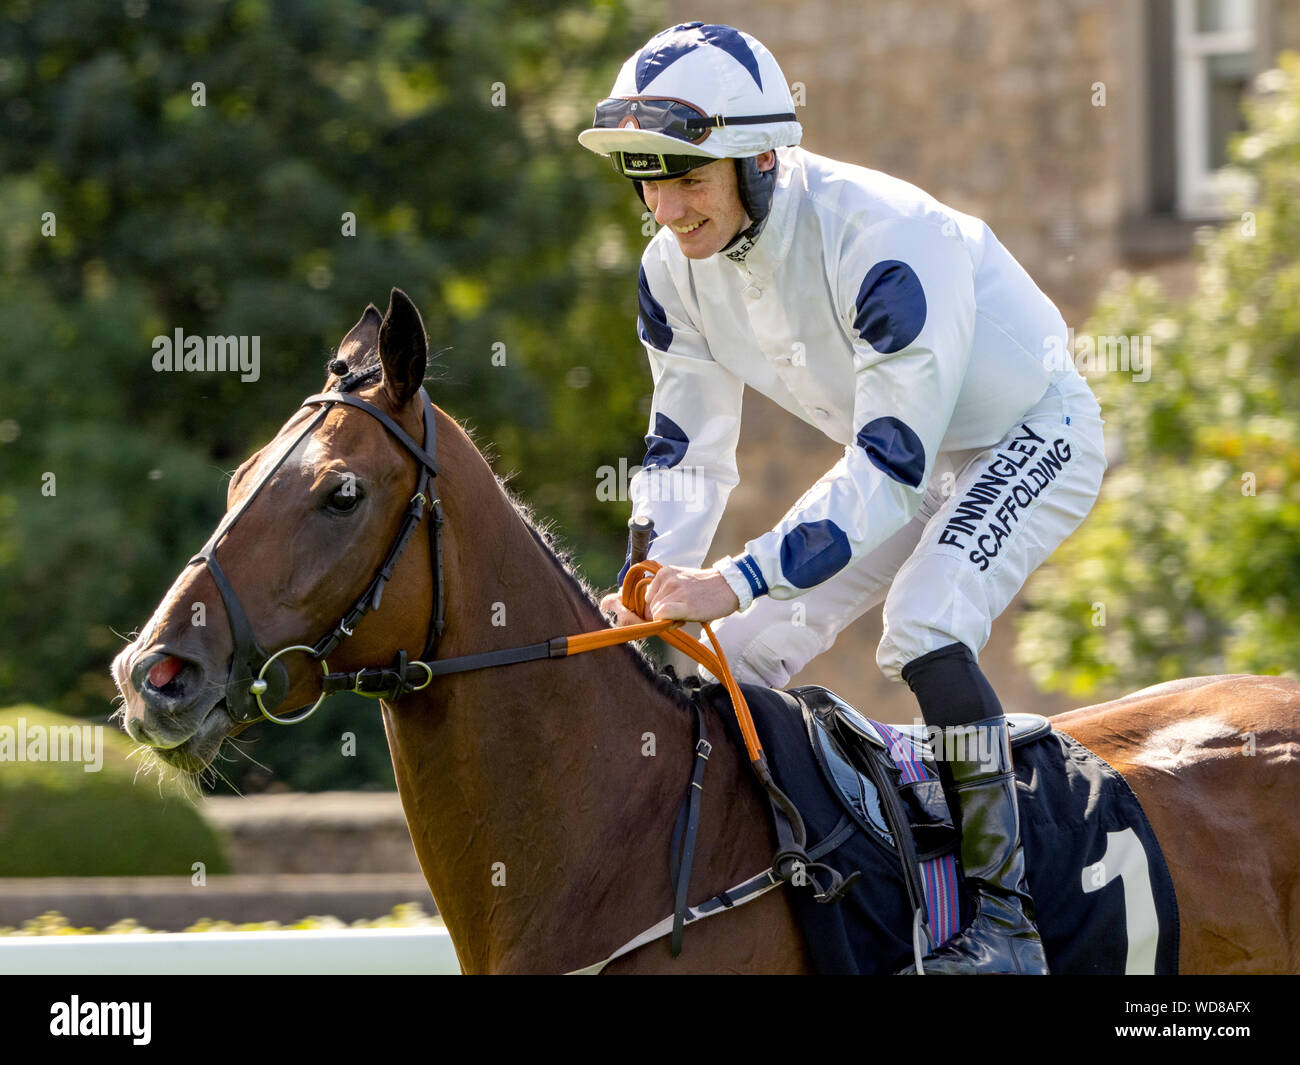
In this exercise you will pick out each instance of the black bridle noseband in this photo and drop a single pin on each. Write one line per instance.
(257, 679)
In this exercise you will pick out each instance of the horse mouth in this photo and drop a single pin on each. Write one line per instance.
(195, 753)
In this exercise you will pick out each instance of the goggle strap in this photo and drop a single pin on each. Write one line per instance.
(718, 121)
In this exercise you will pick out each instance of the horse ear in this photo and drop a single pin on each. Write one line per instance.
(362, 338)
(403, 348)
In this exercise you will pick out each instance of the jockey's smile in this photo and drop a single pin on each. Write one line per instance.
(702, 207)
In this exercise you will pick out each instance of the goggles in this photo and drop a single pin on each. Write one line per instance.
(672, 117)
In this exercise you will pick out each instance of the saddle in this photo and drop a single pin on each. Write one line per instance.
(885, 775)
(870, 797)
(854, 751)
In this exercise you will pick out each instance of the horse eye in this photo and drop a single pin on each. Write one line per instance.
(344, 499)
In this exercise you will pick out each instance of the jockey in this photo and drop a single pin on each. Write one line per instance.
(903, 330)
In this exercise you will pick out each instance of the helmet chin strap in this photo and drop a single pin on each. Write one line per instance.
(756, 188)
(745, 238)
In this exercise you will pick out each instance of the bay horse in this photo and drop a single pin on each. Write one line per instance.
(541, 795)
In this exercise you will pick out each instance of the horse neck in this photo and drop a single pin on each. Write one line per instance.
(541, 796)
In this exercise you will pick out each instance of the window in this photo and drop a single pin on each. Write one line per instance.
(1214, 61)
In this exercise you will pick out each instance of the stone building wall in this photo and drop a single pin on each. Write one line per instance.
(988, 106)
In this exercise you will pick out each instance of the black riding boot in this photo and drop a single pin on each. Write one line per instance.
(1002, 937)
(975, 769)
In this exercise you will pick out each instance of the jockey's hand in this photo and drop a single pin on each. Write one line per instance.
(613, 604)
(681, 594)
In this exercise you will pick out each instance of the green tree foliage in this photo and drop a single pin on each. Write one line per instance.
(57, 819)
(1191, 557)
(193, 166)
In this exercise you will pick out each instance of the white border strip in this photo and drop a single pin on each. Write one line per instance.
(362, 951)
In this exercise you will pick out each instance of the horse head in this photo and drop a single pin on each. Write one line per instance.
(309, 517)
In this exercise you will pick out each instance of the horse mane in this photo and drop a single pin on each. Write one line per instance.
(562, 559)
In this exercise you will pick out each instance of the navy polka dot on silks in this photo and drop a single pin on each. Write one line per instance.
(891, 307)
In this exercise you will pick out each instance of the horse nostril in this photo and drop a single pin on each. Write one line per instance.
(165, 671)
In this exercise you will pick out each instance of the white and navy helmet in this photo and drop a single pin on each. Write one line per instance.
(695, 93)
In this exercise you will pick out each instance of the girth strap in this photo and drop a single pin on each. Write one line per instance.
(737, 895)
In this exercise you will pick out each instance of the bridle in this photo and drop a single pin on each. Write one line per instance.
(257, 679)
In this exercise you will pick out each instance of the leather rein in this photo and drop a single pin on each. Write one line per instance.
(248, 693)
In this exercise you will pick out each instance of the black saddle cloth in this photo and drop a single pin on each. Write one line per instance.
(1104, 897)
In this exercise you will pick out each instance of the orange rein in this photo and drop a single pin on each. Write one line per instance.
(635, 585)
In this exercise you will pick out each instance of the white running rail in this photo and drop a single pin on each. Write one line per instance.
(363, 951)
